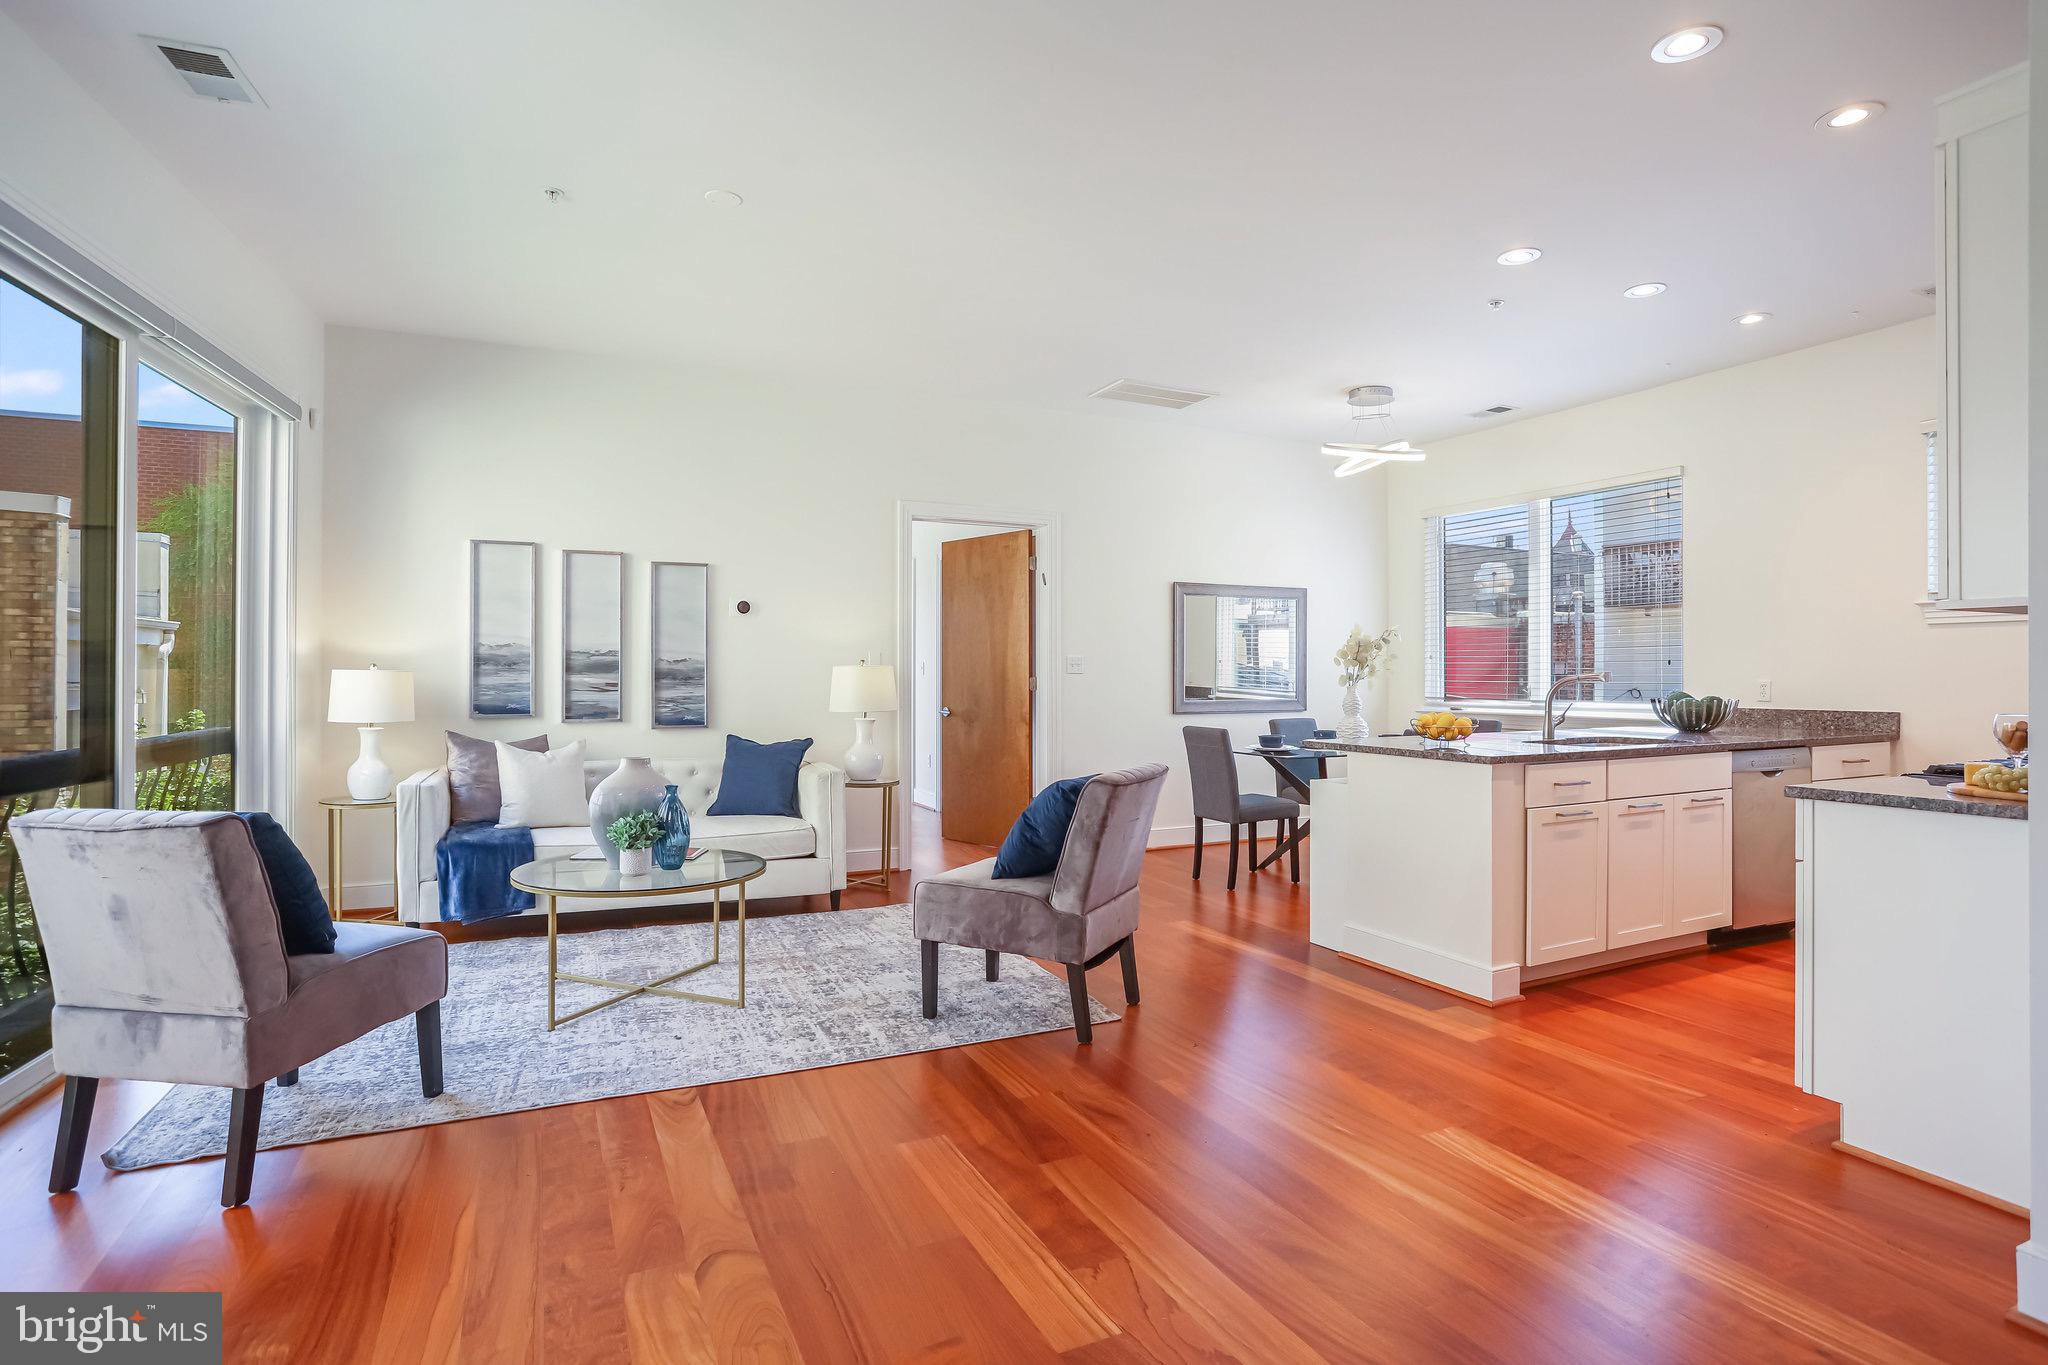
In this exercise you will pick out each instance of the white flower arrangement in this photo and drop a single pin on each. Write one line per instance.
(1362, 656)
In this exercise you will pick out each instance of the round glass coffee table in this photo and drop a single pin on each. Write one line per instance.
(594, 879)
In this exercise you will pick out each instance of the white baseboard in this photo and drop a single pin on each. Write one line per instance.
(924, 797)
(2032, 1262)
(1478, 979)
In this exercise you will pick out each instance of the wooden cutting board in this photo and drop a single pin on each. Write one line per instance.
(1968, 792)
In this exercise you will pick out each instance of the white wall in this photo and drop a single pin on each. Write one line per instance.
(789, 491)
(924, 695)
(1805, 539)
(67, 163)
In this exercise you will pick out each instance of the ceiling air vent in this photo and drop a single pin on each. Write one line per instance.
(1151, 395)
(1496, 410)
(210, 72)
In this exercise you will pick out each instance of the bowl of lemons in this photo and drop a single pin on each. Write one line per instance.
(1442, 727)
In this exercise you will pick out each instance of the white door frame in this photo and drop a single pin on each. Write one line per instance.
(1045, 727)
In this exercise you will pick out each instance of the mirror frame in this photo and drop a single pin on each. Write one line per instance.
(1184, 705)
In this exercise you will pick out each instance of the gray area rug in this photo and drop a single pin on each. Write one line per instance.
(822, 988)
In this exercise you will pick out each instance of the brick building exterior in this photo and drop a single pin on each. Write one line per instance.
(39, 453)
(31, 539)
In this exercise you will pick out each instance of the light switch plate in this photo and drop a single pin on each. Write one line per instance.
(1076, 664)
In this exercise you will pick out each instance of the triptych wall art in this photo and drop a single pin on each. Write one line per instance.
(504, 635)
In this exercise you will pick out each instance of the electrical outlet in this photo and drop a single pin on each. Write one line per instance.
(1763, 689)
(1076, 664)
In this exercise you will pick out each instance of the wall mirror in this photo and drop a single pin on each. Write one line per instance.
(1239, 648)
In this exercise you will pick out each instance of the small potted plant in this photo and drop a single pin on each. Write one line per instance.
(635, 835)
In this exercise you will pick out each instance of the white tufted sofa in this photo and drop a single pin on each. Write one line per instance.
(806, 853)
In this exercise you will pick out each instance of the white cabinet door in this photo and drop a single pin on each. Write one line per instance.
(1567, 882)
(1702, 885)
(1638, 870)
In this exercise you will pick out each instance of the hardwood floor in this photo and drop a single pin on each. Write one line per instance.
(1279, 1156)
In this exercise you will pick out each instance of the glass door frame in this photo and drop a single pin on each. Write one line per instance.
(265, 654)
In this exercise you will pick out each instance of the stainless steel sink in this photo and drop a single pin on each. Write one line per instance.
(1604, 739)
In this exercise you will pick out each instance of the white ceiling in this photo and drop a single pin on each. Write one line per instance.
(1028, 200)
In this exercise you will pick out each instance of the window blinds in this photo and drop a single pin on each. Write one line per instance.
(1516, 597)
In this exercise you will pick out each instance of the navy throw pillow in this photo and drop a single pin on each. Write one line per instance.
(759, 779)
(1034, 843)
(301, 909)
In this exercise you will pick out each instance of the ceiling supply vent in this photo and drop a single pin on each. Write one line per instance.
(1496, 410)
(209, 72)
(1151, 395)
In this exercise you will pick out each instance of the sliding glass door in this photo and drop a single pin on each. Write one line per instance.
(61, 621)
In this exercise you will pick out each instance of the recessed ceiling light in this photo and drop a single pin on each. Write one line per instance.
(1520, 255)
(1686, 44)
(725, 199)
(1648, 289)
(1752, 319)
(1849, 115)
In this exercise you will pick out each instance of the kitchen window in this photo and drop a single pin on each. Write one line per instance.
(1590, 580)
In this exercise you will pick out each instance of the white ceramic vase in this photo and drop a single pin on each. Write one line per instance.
(633, 786)
(863, 761)
(1353, 729)
(635, 862)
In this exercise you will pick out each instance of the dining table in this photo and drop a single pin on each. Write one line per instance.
(1290, 780)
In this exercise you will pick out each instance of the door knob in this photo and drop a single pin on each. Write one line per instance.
(945, 711)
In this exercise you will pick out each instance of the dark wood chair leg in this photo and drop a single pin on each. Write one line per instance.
(1198, 848)
(289, 1077)
(928, 952)
(427, 1024)
(1251, 831)
(994, 965)
(245, 1117)
(1230, 882)
(835, 900)
(1294, 849)
(72, 1122)
(1128, 951)
(1077, 987)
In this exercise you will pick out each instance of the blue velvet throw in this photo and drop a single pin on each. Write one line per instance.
(474, 863)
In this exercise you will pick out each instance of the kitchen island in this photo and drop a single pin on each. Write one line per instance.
(1488, 864)
(1912, 978)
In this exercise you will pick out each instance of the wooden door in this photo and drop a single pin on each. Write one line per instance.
(1702, 880)
(1567, 882)
(986, 597)
(1638, 870)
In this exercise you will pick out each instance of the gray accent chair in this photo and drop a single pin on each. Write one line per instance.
(1083, 913)
(168, 964)
(1212, 768)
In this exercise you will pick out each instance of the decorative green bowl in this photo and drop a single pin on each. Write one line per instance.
(1693, 715)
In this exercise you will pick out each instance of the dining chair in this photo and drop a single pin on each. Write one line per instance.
(1212, 769)
(1301, 771)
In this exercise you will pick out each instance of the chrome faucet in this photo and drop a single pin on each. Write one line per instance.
(1550, 700)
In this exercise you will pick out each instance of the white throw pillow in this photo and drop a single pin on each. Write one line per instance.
(542, 789)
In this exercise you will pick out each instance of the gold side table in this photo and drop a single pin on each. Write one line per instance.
(887, 787)
(338, 808)
(594, 879)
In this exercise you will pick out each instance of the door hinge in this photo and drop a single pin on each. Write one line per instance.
(1032, 563)
(1031, 685)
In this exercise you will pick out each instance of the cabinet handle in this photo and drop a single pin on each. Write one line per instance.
(1582, 782)
(1572, 815)
(1646, 805)
(1707, 800)
(1847, 761)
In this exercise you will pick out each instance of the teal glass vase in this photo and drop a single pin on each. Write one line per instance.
(674, 844)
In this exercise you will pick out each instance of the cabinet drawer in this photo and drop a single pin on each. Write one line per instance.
(1663, 776)
(1557, 784)
(1852, 760)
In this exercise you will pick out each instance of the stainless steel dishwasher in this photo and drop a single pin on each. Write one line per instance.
(1763, 834)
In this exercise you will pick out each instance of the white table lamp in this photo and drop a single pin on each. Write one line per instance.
(369, 698)
(862, 689)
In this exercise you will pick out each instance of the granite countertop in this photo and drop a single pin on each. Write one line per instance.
(1905, 793)
(1758, 729)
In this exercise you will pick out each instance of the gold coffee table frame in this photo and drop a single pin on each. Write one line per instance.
(583, 879)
